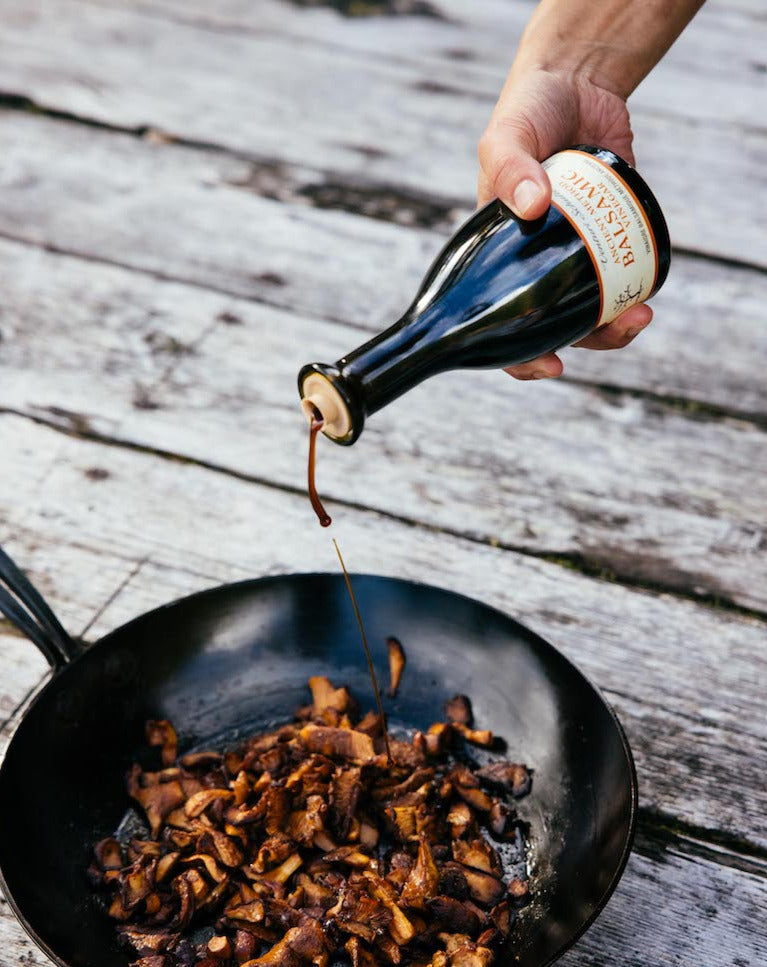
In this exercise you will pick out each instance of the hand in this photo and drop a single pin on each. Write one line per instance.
(539, 113)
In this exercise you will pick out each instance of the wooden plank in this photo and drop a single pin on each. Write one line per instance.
(684, 679)
(673, 907)
(467, 49)
(470, 47)
(639, 489)
(177, 212)
(368, 118)
(21, 670)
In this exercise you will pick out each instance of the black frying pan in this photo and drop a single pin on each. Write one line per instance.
(236, 658)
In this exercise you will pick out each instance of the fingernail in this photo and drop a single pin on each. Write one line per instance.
(526, 195)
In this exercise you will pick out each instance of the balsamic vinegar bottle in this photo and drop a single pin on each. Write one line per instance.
(503, 290)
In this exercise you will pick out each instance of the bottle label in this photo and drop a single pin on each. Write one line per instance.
(607, 215)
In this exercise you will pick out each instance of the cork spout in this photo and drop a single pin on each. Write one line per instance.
(321, 399)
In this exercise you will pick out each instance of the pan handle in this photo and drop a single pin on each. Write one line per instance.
(24, 606)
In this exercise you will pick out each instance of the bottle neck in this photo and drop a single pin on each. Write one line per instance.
(397, 359)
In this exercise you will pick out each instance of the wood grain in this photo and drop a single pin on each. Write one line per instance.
(685, 679)
(179, 213)
(339, 109)
(645, 491)
(472, 45)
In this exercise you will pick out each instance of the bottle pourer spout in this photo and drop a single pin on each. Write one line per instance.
(320, 397)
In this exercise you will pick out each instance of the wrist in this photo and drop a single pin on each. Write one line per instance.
(599, 50)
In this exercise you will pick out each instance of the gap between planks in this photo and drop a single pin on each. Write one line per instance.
(71, 427)
(334, 190)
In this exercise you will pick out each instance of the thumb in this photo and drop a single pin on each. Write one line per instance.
(510, 171)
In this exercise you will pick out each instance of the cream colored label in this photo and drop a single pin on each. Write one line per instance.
(607, 215)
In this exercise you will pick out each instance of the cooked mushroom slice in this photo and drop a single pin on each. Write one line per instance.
(278, 802)
(479, 854)
(511, 777)
(312, 776)
(364, 917)
(315, 894)
(466, 785)
(404, 755)
(205, 860)
(390, 949)
(280, 955)
(156, 798)
(458, 710)
(201, 760)
(460, 817)
(245, 945)
(501, 820)
(153, 960)
(282, 873)
(324, 841)
(463, 952)
(161, 733)
(518, 889)
(221, 846)
(304, 824)
(348, 856)
(345, 790)
(219, 948)
(252, 912)
(272, 851)
(338, 743)
(393, 790)
(137, 884)
(483, 737)
(476, 798)
(371, 724)
(402, 821)
(240, 787)
(401, 928)
(359, 954)
(325, 696)
(487, 890)
(423, 880)
(436, 741)
(502, 917)
(200, 801)
(108, 854)
(397, 661)
(369, 834)
(453, 882)
(145, 941)
(454, 916)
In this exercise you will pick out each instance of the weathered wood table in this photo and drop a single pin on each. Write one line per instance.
(199, 197)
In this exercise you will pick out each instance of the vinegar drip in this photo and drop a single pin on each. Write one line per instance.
(367, 654)
(322, 515)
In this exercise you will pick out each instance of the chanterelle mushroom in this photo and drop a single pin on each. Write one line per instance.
(304, 845)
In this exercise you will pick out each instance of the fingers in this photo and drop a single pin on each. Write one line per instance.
(620, 332)
(615, 335)
(509, 170)
(544, 367)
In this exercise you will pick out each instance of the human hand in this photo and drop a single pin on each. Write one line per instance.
(539, 113)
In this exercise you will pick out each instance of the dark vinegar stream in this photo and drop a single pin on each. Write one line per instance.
(367, 652)
(322, 515)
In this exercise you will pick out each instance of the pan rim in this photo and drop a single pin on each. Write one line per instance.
(264, 580)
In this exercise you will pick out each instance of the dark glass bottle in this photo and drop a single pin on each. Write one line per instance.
(503, 291)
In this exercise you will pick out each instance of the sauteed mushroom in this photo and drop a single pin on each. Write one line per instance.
(305, 845)
(397, 662)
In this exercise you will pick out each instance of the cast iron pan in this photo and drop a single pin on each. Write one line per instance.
(236, 658)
